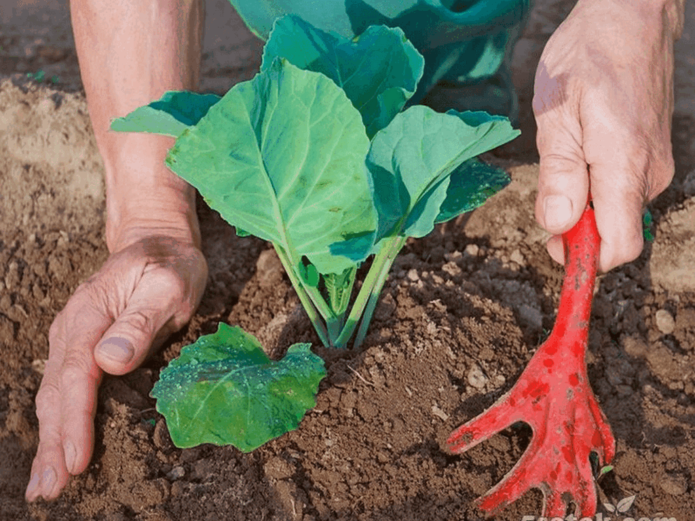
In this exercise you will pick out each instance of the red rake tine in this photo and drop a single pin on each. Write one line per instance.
(553, 396)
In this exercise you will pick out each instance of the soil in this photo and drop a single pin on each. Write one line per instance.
(461, 315)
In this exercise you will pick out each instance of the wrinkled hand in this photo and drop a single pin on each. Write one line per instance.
(603, 104)
(141, 295)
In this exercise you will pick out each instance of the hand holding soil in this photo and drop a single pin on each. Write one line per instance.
(140, 296)
(155, 277)
(603, 103)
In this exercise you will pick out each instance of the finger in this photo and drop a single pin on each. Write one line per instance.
(154, 311)
(619, 197)
(48, 471)
(80, 376)
(556, 249)
(563, 188)
(53, 463)
(563, 181)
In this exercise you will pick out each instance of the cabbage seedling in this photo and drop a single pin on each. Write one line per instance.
(316, 155)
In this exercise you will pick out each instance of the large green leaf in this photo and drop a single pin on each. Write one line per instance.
(171, 115)
(411, 161)
(282, 157)
(224, 390)
(379, 70)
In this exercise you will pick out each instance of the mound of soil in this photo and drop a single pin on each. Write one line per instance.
(460, 316)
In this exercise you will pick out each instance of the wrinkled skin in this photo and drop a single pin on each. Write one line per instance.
(141, 295)
(603, 104)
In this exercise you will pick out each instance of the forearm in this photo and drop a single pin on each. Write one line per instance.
(130, 53)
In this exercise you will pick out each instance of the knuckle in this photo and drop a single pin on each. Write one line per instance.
(140, 320)
(75, 367)
(46, 400)
(172, 280)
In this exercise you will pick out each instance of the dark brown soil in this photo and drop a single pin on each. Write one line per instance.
(461, 315)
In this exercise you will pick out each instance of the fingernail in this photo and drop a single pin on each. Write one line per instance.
(33, 483)
(557, 211)
(117, 349)
(48, 480)
(70, 455)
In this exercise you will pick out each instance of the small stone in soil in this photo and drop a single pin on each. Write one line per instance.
(476, 378)
(517, 258)
(439, 413)
(38, 365)
(471, 250)
(176, 473)
(665, 322)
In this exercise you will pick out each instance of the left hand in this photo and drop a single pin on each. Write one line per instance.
(603, 103)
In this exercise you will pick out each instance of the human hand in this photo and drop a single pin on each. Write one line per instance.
(603, 103)
(142, 294)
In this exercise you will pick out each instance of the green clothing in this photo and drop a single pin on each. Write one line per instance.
(464, 42)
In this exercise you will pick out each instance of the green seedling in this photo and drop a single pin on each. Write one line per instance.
(648, 226)
(37, 76)
(317, 155)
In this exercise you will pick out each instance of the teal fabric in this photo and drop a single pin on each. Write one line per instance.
(464, 42)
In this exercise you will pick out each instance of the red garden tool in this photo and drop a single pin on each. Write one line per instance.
(553, 396)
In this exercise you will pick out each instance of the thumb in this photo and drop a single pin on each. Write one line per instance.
(563, 182)
(146, 322)
(563, 188)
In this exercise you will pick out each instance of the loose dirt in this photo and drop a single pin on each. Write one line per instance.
(461, 315)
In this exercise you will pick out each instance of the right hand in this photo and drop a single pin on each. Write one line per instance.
(142, 294)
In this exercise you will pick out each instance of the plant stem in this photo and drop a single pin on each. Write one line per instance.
(320, 304)
(334, 328)
(376, 292)
(378, 271)
(303, 297)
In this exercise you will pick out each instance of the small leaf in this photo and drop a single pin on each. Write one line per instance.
(647, 226)
(38, 76)
(309, 274)
(171, 115)
(339, 288)
(625, 504)
(225, 390)
(379, 71)
(609, 507)
(606, 469)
